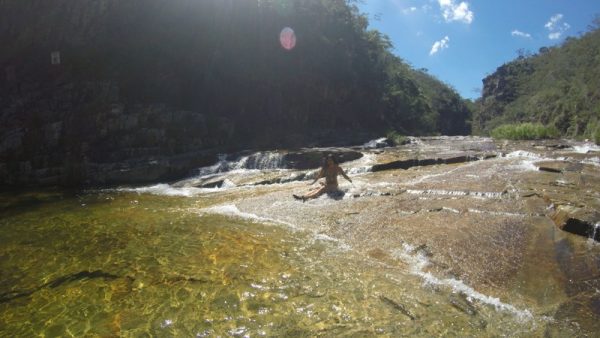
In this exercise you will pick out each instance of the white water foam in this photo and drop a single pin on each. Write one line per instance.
(480, 194)
(591, 239)
(452, 210)
(227, 184)
(586, 148)
(525, 166)
(168, 190)
(528, 162)
(428, 177)
(360, 170)
(326, 238)
(418, 262)
(595, 161)
(496, 213)
(377, 143)
(360, 188)
(523, 153)
(231, 210)
(437, 192)
(529, 158)
(361, 166)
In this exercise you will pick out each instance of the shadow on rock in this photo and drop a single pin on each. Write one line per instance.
(337, 195)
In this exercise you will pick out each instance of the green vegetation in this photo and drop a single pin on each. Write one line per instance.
(592, 130)
(556, 87)
(524, 131)
(396, 138)
(222, 59)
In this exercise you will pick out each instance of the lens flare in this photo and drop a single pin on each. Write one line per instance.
(287, 38)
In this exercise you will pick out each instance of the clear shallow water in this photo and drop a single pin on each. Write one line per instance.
(126, 264)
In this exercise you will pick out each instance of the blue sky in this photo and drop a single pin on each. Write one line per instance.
(461, 42)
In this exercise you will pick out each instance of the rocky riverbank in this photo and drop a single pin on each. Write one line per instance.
(442, 235)
(471, 210)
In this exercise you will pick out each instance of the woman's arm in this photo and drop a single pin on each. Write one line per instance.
(319, 175)
(343, 173)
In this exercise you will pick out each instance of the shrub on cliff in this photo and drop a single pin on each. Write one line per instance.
(592, 131)
(397, 138)
(525, 131)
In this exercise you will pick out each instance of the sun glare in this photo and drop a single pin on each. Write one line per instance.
(287, 38)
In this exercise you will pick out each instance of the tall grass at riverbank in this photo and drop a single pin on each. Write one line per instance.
(525, 131)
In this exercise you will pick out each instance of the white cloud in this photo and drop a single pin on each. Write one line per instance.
(451, 11)
(440, 45)
(554, 20)
(554, 36)
(517, 32)
(409, 10)
(556, 26)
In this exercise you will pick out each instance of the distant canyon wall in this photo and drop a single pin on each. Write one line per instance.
(97, 92)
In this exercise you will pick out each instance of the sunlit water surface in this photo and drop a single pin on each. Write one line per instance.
(126, 264)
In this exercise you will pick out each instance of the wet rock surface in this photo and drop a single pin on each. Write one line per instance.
(477, 212)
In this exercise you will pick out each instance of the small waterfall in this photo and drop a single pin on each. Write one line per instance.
(261, 160)
(362, 165)
(221, 166)
(377, 143)
(594, 233)
(258, 161)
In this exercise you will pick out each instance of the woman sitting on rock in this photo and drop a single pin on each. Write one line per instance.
(330, 169)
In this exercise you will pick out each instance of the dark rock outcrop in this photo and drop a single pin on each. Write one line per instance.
(313, 158)
(57, 137)
(559, 166)
(416, 162)
(577, 221)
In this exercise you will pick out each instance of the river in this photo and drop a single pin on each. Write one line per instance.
(440, 237)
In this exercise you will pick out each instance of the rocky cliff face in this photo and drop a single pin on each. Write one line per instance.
(61, 123)
(555, 87)
(500, 89)
(103, 92)
(83, 133)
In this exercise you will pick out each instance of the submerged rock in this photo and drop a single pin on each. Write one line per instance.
(397, 306)
(462, 304)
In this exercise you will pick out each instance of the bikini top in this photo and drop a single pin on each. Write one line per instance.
(330, 175)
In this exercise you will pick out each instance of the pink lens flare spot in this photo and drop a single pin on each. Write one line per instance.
(287, 38)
